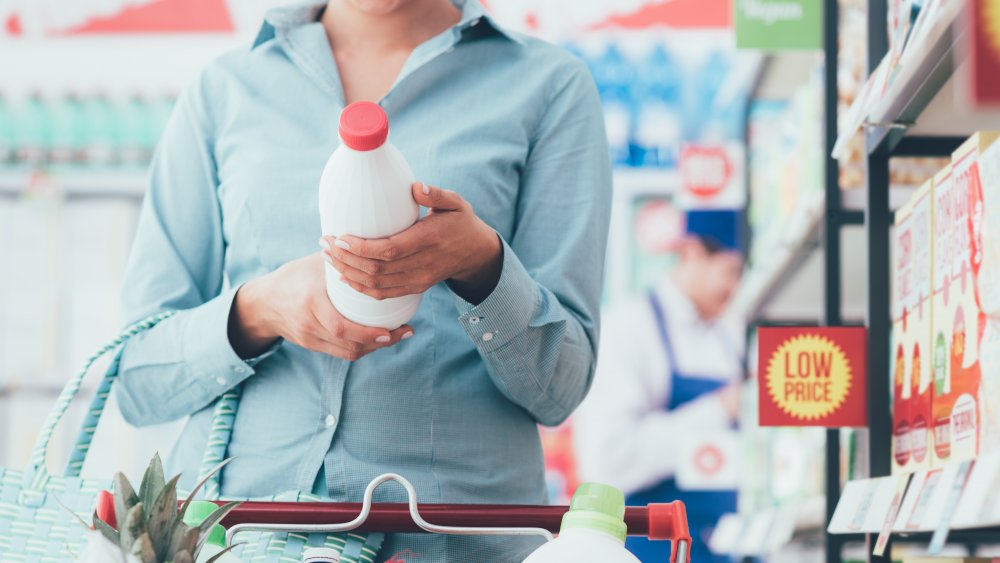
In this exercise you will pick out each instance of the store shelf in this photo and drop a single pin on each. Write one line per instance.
(783, 72)
(765, 279)
(646, 180)
(854, 199)
(966, 505)
(767, 531)
(129, 183)
(924, 69)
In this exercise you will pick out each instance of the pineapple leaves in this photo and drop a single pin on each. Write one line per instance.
(143, 547)
(125, 497)
(132, 527)
(184, 557)
(106, 530)
(194, 491)
(185, 538)
(161, 518)
(213, 519)
(152, 483)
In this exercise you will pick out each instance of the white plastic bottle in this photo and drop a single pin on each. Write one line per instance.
(196, 513)
(593, 531)
(365, 192)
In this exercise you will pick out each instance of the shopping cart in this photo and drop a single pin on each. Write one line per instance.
(667, 521)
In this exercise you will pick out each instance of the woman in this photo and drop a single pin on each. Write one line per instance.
(511, 262)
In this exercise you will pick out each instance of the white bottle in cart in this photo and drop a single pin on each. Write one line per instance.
(592, 531)
(215, 544)
(365, 192)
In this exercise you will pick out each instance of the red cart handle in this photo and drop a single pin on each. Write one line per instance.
(657, 521)
(669, 522)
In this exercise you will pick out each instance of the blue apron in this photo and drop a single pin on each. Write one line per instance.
(703, 507)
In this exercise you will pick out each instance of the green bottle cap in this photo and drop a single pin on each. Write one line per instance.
(197, 512)
(597, 507)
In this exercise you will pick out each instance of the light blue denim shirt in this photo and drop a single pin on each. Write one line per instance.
(512, 124)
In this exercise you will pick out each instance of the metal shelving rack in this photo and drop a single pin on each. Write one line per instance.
(884, 140)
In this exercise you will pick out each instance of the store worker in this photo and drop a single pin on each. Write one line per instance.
(505, 135)
(670, 370)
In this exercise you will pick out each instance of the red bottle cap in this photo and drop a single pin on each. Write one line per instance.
(364, 126)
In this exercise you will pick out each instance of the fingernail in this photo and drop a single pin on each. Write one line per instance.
(406, 335)
(327, 259)
(342, 244)
(426, 189)
(324, 244)
(383, 339)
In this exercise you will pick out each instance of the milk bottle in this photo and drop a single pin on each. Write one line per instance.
(365, 192)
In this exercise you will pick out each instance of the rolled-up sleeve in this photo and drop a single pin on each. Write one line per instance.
(177, 262)
(538, 330)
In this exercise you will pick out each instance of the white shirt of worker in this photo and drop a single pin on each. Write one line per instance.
(624, 435)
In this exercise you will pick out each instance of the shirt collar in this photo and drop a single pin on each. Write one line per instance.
(308, 11)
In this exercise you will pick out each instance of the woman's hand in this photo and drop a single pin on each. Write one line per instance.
(291, 303)
(449, 244)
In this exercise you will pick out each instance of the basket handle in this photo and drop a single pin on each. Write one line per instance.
(223, 416)
(70, 391)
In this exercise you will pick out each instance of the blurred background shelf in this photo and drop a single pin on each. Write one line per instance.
(82, 183)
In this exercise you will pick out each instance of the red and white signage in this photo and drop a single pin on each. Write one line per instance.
(554, 19)
(712, 176)
(34, 18)
(708, 462)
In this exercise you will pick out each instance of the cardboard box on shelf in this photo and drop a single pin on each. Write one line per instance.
(911, 333)
(953, 361)
(980, 161)
(958, 322)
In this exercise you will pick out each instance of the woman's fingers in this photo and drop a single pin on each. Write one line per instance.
(435, 198)
(372, 266)
(409, 278)
(334, 327)
(386, 293)
(400, 245)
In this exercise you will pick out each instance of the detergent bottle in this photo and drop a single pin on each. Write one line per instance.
(592, 531)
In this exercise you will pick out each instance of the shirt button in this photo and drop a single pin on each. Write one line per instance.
(220, 380)
(239, 369)
(487, 337)
(474, 320)
(330, 420)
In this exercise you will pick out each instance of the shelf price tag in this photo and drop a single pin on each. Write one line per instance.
(812, 376)
(890, 517)
(951, 503)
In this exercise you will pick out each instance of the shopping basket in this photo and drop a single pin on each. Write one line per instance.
(666, 521)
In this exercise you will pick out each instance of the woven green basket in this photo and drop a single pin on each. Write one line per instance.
(36, 525)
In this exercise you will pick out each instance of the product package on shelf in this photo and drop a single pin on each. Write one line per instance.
(956, 317)
(975, 170)
(911, 334)
(988, 290)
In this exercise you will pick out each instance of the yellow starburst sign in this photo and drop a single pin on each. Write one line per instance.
(812, 376)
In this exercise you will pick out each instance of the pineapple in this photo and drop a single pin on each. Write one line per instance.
(150, 525)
